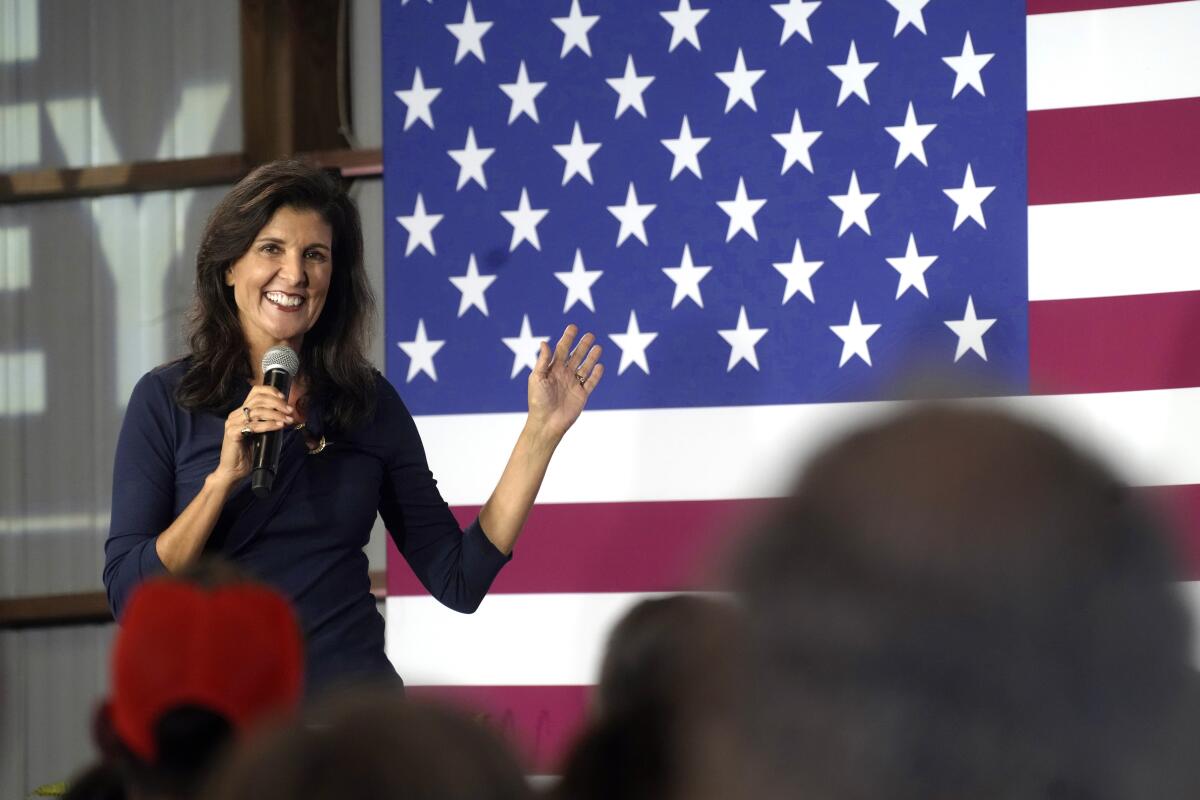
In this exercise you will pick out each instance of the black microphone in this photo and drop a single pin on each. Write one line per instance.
(279, 366)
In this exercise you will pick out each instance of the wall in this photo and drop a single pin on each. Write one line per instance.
(93, 293)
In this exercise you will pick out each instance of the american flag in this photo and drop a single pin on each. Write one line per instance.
(770, 214)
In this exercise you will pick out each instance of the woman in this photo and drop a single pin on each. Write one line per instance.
(280, 262)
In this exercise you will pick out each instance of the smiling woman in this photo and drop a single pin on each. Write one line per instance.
(280, 263)
(280, 284)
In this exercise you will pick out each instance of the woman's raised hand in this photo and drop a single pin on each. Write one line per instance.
(264, 409)
(562, 380)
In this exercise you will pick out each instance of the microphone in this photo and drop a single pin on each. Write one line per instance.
(279, 366)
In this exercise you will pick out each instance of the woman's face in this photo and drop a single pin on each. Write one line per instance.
(281, 282)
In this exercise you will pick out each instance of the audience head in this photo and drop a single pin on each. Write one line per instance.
(956, 604)
(663, 706)
(374, 744)
(197, 661)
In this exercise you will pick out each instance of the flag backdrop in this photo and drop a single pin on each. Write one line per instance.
(769, 214)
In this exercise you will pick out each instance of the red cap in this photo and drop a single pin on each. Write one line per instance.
(235, 650)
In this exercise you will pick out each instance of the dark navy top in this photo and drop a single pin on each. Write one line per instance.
(307, 537)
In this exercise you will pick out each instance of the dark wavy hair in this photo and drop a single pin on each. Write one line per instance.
(332, 357)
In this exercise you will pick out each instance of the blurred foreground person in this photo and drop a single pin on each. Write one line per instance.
(662, 711)
(374, 744)
(194, 666)
(955, 604)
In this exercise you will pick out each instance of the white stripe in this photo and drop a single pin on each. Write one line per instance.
(526, 639)
(753, 451)
(511, 640)
(19, 31)
(15, 272)
(1110, 56)
(1114, 247)
(22, 383)
(20, 135)
(54, 523)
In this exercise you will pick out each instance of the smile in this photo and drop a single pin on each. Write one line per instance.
(284, 301)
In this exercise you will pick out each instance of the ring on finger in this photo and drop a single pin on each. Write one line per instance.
(246, 431)
(579, 377)
(246, 412)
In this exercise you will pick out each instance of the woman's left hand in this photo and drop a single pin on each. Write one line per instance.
(561, 382)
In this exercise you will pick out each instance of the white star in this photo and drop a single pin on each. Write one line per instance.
(579, 283)
(798, 273)
(854, 336)
(741, 83)
(525, 347)
(911, 137)
(420, 227)
(523, 94)
(853, 75)
(524, 220)
(795, 15)
(795, 144)
(741, 210)
(683, 21)
(912, 266)
(577, 153)
(470, 161)
(854, 205)
(908, 12)
(633, 344)
(686, 150)
(970, 330)
(632, 217)
(629, 89)
(687, 277)
(417, 101)
(469, 34)
(967, 67)
(420, 352)
(969, 200)
(575, 27)
(472, 285)
(742, 340)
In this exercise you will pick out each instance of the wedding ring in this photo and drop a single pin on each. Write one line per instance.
(246, 412)
(246, 431)
(582, 380)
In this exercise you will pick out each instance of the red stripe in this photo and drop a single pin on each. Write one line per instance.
(1114, 344)
(649, 547)
(540, 722)
(1054, 6)
(1114, 152)
(609, 547)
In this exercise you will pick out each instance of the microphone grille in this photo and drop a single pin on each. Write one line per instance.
(283, 358)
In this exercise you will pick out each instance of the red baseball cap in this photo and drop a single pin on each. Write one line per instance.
(235, 649)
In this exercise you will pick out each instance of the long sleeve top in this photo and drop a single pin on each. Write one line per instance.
(306, 538)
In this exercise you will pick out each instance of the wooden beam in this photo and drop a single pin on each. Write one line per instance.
(152, 176)
(142, 176)
(44, 611)
(91, 608)
(289, 77)
(351, 163)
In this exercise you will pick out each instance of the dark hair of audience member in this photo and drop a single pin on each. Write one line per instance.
(373, 743)
(662, 711)
(189, 740)
(956, 604)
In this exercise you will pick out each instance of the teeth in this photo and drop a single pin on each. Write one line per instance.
(279, 298)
